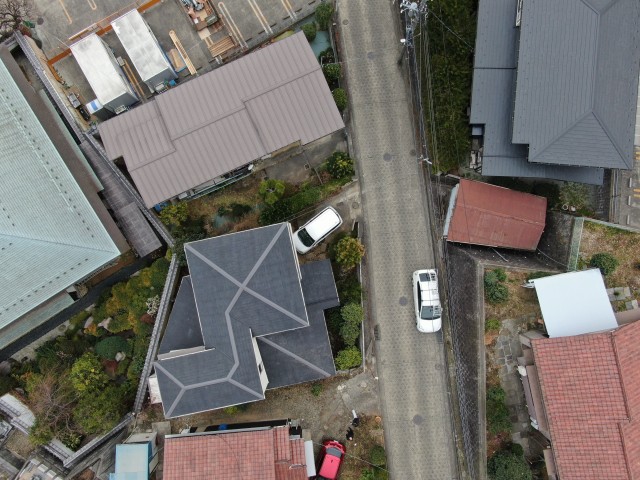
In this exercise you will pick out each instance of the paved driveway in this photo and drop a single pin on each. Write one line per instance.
(416, 413)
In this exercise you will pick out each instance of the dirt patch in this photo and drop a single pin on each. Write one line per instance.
(622, 244)
(522, 301)
(18, 443)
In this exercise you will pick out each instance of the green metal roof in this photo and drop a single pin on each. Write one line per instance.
(50, 236)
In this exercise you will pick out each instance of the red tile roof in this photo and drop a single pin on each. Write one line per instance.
(591, 389)
(258, 455)
(494, 216)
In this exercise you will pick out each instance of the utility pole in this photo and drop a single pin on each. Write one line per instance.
(411, 12)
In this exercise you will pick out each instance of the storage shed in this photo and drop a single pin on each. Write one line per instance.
(144, 50)
(101, 69)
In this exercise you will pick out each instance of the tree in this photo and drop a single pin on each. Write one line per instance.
(87, 375)
(100, 413)
(340, 165)
(271, 190)
(506, 465)
(332, 73)
(340, 97)
(310, 31)
(350, 357)
(12, 15)
(324, 11)
(175, 214)
(110, 346)
(349, 252)
(606, 262)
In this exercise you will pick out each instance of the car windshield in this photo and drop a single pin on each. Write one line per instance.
(305, 238)
(334, 452)
(429, 312)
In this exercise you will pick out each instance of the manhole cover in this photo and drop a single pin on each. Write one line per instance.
(403, 301)
(307, 166)
(418, 420)
(355, 205)
(412, 152)
(438, 366)
(387, 157)
(40, 21)
(345, 22)
(371, 55)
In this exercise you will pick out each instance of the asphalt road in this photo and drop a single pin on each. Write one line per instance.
(411, 365)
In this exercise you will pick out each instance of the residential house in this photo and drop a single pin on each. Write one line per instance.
(210, 130)
(484, 214)
(247, 317)
(55, 231)
(555, 88)
(276, 452)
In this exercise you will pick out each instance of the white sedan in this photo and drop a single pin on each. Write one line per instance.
(427, 301)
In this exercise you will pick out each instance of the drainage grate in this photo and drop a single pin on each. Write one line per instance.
(307, 166)
(376, 332)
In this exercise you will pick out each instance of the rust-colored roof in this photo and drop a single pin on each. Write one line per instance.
(591, 389)
(493, 216)
(258, 455)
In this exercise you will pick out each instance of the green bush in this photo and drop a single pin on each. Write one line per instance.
(497, 411)
(110, 346)
(506, 465)
(606, 262)
(378, 456)
(87, 375)
(271, 190)
(77, 321)
(310, 31)
(327, 56)
(285, 208)
(494, 290)
(316, 389)
(492, 325)
(350, 357)
(340, 97)
(538, 274)
(349, 289)
(175, 214)
(340, 165)
(101, 412)
(349, 252)
(349, 333)
(367, 474)
(332, 73)
(235, 409)
(324, 11)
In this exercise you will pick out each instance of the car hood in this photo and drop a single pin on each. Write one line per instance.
(430, 326)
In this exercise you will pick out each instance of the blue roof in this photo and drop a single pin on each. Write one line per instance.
(132, 462)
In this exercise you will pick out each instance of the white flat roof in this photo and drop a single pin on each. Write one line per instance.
(140, 44)
(98, 68)
(575, 303)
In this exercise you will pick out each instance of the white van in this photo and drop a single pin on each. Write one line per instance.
(316, 229)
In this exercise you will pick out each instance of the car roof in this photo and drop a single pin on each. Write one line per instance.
(323, 223)
(334, 451)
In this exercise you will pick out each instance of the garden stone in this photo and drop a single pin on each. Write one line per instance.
(120, 356)
(105, 323)
(88, 322)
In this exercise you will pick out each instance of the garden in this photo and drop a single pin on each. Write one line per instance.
(83, 382)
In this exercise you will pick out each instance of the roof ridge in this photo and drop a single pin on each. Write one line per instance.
(64, 244)
(553, 140)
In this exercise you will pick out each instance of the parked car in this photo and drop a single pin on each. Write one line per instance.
(331, 457)
(316, 229)
(427, 301)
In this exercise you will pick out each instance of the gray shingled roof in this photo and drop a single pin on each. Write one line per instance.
(244, 285)
(492, 104)
(577, 82)
(224, 120)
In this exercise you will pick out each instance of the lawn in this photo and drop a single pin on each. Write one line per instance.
(622, 244)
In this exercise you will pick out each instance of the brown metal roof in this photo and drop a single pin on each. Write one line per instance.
(485, 214)
(224, 119)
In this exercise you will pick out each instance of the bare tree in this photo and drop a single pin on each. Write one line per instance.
(12, 14)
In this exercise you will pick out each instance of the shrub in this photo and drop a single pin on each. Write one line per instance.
(340, 97)
(538, 274)
(99, 413)
(500, 274)
(378, 456)
(349, 252)
(310, 31)
(332, 73)
(494, 290)
(87, 375)
(506, 465)
(316, 389)
(367, 474)
(350, 357)
(175, 214)
(77, 321)
(271, 190)
(549, 190)
(606, 262)
(235, 409)
(110, 346)
(327, 56)
(492, 325)
(350, 333)
(340, 165)
(497, 411)
(324, 11)
(349, 289)
(285, 208)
